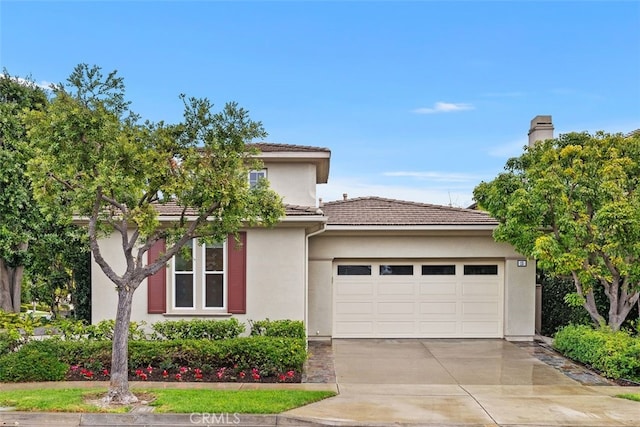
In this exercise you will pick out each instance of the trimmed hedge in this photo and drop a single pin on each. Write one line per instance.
(30, 364)
(278, 328)
(270, 355)
(615, 354)
(197, 329)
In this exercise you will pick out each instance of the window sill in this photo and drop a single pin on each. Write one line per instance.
(197, 314)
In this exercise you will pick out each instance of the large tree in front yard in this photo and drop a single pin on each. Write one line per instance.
(20, 219)
(94, 159)
(573, 203)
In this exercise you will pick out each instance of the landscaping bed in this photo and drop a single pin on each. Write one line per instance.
(197, 350)
(614, 355)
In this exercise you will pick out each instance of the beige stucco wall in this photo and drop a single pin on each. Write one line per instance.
(519, 300)
(275, 279)
(295, 182)
(519, 281)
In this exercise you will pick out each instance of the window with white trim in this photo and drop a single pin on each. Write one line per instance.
(255, 176)
(199, 277)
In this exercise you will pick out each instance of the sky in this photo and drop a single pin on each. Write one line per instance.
(417, 100)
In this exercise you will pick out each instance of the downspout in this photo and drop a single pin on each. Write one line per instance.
(322, 229)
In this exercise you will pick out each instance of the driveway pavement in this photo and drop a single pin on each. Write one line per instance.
(460, 383)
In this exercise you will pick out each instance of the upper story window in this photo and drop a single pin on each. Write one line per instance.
(255, 176)
(199, 275)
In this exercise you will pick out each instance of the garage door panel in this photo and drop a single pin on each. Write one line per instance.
(396, 308)
(481, 288)
(438, 304)
(438, 308)
(439, 328)
(393, 289)
(488, 308)
(354, 308)
(438, 288)
(355, 288)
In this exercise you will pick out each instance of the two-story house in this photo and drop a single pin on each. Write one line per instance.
(362, 267)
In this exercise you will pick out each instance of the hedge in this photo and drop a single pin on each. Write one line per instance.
(197, 329)
(615, 354)
(278, 328)
(269, 355)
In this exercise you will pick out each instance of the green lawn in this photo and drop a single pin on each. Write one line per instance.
(630, 396)
(167, 400)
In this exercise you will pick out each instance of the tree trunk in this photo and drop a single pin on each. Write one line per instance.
(617, 318)
(119, 384)
(10, 287)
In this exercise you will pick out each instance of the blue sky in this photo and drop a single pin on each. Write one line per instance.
(416, 100)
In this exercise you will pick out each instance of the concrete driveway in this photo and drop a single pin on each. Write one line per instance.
(460, 382)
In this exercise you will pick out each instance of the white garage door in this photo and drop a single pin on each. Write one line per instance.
(429, 299)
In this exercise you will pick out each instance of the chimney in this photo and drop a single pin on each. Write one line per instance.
(541, 129)
(344, 196)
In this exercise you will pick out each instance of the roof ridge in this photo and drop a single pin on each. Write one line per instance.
(280, 144)
(406, 202)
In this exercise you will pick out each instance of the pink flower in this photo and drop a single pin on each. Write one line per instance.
(178, 377)
(143, 376)
(74, 367)
(138, 372)
(165, 374)
(220, 373)
(291, 374)
(183, 369)
(282, 377)
(149, 369)
(241, 374)
(105, 372)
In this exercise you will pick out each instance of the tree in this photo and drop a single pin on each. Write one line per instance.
(573, 203)
(94, 159)
(19, 215)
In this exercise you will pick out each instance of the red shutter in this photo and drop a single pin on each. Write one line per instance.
(237, 277)
(157, 284)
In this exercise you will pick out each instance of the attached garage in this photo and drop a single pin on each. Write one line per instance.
(394, 269)
(418, 299)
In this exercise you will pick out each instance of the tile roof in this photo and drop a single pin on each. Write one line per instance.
(269, 147)
(381, 211)
(170, 209)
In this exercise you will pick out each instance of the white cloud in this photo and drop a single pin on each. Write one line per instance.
(444, 107)
(42, 85)
(437, 176)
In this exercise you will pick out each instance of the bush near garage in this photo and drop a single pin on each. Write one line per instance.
(278, 328)
(615, 354)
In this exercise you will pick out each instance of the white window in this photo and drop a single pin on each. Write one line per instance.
(199, 277)
(255, 176)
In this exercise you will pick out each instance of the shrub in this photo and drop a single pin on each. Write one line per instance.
(270, 355)
(615, 354)
(197, 329)
(30, 364)
(279, 328)
(72, 329)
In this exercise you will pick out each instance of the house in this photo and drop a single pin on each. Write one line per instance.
(353, 268)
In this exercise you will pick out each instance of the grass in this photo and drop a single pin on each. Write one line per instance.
(630, 396)
(62, 400)
(167, 400)
(234, 401)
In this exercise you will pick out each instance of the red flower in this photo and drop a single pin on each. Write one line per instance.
(282, 377)
(165, 374)
(183, 369)
(255, 375)
(220, 373)
(149, 369)
(138, 372)
(88, 375)
(198, 376)
(178, 377)
(105, 372)
(241, 374)
(74, 367)
(143, 376)
(290, 374)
